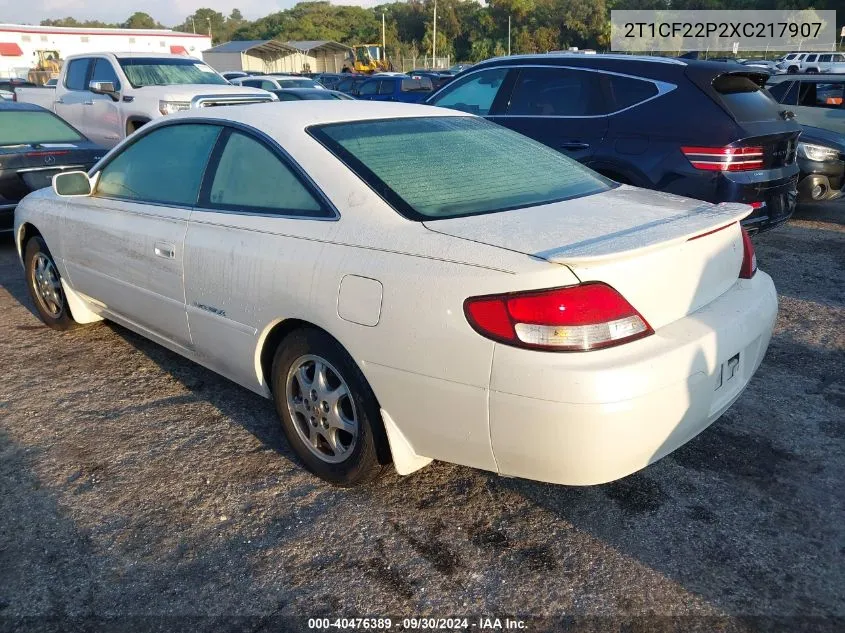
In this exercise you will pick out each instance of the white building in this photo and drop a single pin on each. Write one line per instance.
(272, 56)
(21, 46)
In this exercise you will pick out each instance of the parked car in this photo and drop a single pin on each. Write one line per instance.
(330, 80)
(705, 130)
(350, 84)
(395, 88)
(812, 62)
(816, 100)
(35, 145)
(233, 74)
(526, 316)
(438, 78)
(310, 94)
(276, 82)
(821, 159)
(108, 96)
(822, 63)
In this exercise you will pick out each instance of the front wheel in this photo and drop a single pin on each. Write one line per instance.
(45, 286)
(329, 414)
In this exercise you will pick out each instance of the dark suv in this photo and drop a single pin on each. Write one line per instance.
(706, 130)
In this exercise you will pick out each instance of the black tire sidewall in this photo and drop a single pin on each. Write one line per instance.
(363, 464)
(65, 320)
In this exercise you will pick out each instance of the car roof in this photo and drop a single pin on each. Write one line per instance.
(300, 115)
(304, 91)
(21, 107)
(814, 77)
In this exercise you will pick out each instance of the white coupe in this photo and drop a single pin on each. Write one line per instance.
(411, 283)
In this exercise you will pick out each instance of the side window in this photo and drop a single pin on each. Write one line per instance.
(811, 58)
(807, 94)
(268, 85)
(250, 177)
(475, 93)
(825, 58)
(77, 71)
(557, 92)
(368, 88)
(385, 87)
(103, 71)
(252, 83)
(830, 95)
(286, 96)
(164, 166)
(625, 91)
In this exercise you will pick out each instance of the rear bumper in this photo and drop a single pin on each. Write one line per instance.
(582, 419)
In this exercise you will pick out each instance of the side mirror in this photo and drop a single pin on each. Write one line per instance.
(72, 184)
(103, 88)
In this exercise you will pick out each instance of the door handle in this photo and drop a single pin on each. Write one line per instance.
(574, 145)
(60, 100)
(163, 249)
(87, 103)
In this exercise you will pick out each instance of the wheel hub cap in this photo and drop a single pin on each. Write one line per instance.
(48, 288)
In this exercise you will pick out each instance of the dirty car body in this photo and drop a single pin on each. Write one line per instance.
(566, 329)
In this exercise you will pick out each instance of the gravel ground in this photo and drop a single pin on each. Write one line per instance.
(134, 483)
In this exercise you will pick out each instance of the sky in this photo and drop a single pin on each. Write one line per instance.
(168, 12)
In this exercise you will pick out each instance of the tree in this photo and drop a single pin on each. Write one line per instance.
(141, 20)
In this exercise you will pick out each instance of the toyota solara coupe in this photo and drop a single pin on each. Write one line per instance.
(411, 283)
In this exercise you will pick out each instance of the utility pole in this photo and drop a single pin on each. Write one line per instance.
(434, 39)
(383, 38)
(194, 23)
(509, 36)
(209, 27)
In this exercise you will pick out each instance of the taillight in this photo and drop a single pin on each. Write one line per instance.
(571, 319)
(724, 158)
(749, 257)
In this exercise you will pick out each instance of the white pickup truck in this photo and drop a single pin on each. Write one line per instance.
(107, 96)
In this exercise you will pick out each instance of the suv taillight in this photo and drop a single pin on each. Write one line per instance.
(571, 319)
(749, 257)
(724, 158)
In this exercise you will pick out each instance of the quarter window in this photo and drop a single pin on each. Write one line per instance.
(164, 166)
(625, 92)
(557, 92)
(474, 94)
(250, 177)
(77, 70)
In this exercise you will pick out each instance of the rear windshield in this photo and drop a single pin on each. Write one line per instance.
(32, 128)
(158, 71)
(459, 166)
(420, 84)
(297, 83)
(746, 100)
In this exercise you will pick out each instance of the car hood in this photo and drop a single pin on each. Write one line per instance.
(186, 92)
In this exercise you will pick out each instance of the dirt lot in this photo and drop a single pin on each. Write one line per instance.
(135, 483)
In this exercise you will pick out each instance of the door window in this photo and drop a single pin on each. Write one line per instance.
(385, 87)
(103, 71)
(825, 58)
(557, 92)
(811, 58)
(252, 83)
(164, 166)
(250, 177)
(269, 85)
(77, 71)
(474, 94)
(368, 88)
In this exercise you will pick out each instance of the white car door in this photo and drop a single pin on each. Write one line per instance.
(123, 245)
(71, 104)
(102, 121)
(253, 240)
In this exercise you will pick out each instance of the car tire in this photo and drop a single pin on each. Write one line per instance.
(792, 70)
(340, 439)
(43, 282)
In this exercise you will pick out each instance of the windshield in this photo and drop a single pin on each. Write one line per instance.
(157, 71)
(298, 83)
(478, 166)
(34, 128)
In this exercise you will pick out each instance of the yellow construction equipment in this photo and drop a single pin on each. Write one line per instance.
(370, 58)
(47, 67)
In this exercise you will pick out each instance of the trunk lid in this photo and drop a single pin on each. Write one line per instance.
(668, 256)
